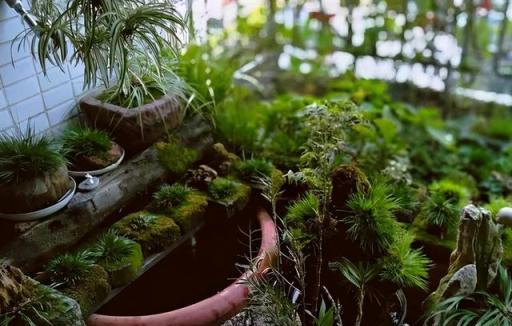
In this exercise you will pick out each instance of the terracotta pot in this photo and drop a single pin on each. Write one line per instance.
(34, 194)
(137, 128)
(215, 309)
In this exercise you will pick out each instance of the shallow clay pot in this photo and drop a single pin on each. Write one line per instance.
(89, 163)
(215, 309)
(34, 194)
(137, 128)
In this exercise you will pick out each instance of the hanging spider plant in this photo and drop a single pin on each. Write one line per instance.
(104, 35)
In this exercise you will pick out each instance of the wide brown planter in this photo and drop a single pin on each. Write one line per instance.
(137, 128)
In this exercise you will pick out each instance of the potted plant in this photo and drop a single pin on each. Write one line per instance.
(120, 44)
(90, 151)
(34, 180)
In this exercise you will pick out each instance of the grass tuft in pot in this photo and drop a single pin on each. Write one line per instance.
(89, 149)
(68, 269)
(33, 173)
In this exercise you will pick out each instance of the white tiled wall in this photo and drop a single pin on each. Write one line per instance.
(27, 97)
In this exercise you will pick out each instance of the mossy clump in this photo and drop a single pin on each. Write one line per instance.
(175, 157)
(68, 269)
(184, 204)
(91, 290)
(154, 232)
(300, 219)
(346, 181)
(253, 169)
(228, 191)
(121, 257)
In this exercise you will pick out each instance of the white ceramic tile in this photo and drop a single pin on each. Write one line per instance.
(61, 113)
(6, 11)
(58, 95)
(27, 108)
(76, 70)
(54, 77)
(38, 124)
(5, 120)
(20, 70)
(11, 52)
(22, 90)
(10, 28)
(3, 101)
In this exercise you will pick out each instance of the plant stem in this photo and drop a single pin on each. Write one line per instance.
(360, 302)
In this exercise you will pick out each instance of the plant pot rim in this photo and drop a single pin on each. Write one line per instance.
(91, 99)
(44, 212)
(216, 308)
(99, 171)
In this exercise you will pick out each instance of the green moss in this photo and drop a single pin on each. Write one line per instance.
(251, 170)
(228, 191)
(154, 232)
(169, 196)
(121, 257)
(507, 246)
(91, 290)
(496, 204)
(175, 157)
(191, 209)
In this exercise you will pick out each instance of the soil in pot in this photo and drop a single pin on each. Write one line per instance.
(96, 162)
(191, 273)
(34, 194)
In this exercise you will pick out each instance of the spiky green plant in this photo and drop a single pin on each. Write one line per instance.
(250, 170)
(80, 140)
(111, 249)
(359, 276)
(104, 36)
(302, 211)
(404, 266)
(481, 308)
(371, 222)
(69, 268)
(444, 203)
(169, 196)
(38, 310)
(25, 156)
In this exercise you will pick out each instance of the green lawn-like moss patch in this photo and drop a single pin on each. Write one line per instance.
(154, 232)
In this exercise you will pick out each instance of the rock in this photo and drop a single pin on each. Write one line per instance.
(127, 268)
(222, 159)
(69, 312)
(230, 196)
(201, 177)
(189, 213)
(154, 232)
(90, 290)
(463, 282)
(504, 216)
(347, 180)
(478, 244)
(13, 288)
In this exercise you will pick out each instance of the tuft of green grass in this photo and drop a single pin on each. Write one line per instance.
(251, 170)
(371, 221)
(169, 196)
(69, 268)
(443, 206)
(222, 188)
(404, 266)
(84, 141)
(111, 250)
(26, 156)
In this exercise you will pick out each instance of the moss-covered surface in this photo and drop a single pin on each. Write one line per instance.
(507, 247)
(124, 269)
(188, 213)
(175, 157)
(154, 232)
(91, 290)
(231, 194)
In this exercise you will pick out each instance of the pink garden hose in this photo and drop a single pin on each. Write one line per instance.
(215, 309)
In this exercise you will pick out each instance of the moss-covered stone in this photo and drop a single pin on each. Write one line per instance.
(154, 232)
(230, 194)
(90, 290)
(347, 180)
(189, 213)
(175, 157)
(126, 268)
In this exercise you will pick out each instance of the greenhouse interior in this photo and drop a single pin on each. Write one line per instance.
(255, 162)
